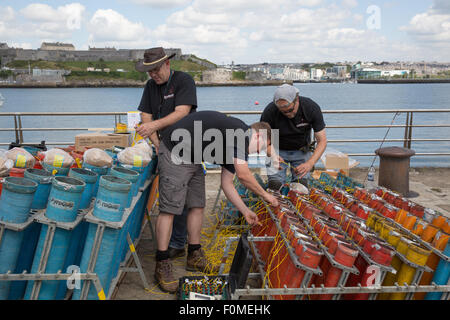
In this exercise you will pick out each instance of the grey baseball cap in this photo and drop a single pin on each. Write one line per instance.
(285, 92)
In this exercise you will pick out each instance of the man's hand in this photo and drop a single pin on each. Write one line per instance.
(303, 169)
(273, 201)
(156, 147)
(145, 130)
(251, 217)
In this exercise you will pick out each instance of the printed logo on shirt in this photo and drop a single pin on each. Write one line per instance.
(170, 95)
(304, 124)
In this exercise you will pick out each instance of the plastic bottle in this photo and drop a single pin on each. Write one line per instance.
(370, 184)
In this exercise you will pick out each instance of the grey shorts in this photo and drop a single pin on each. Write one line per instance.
(179, 185)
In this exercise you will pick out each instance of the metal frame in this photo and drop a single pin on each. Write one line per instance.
(407, 137)
(337, 292)
(89, 276)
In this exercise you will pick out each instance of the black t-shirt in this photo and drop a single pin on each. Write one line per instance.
(161, 100)
(295, 133)
(212, 137)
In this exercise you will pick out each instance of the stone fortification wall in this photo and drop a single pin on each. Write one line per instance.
(216, 76)
(11, 54)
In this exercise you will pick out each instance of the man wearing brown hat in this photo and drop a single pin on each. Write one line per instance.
(168, 97)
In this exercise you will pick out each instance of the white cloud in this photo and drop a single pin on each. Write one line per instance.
(163, 4)
(7, 13)
(431, 28)
(40, 21)
(110, 28)
(23, 45)
(441, 7)
(350, 3)
(67, 17)
(309, 3)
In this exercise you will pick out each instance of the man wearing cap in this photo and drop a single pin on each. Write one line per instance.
(168, 97)
(294, 116)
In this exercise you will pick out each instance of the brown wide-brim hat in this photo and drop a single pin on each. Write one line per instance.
(153, 58)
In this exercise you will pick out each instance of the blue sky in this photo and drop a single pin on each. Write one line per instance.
(243, 31)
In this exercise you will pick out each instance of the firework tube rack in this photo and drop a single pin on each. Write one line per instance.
(340, 289)
(89, 276)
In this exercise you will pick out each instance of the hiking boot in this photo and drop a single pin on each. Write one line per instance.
(164, 276)
(196, 261)
(176, 253)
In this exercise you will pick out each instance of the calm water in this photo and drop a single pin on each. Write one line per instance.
(328, 96)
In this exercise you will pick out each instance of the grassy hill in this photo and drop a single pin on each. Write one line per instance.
(78, 68)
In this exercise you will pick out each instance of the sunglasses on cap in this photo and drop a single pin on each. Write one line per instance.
(287, 108)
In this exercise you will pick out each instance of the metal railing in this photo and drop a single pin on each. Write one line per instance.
(407, 139)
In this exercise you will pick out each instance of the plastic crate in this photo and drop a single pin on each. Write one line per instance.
(240, 267)
(207, 287)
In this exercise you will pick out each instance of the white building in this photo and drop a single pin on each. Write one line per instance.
(316, 74)
(295, 74)
(392, 73)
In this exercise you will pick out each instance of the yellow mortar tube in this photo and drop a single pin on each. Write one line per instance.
(415, 254)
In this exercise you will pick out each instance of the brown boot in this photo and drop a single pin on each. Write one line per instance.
(196, 261)
(164, 276)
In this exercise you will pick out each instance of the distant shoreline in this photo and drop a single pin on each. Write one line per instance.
(134, 84)
(403, 81)
(137, 84)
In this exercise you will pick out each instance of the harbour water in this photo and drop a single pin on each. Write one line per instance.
(328, 96)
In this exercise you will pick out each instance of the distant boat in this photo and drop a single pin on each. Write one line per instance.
(2, 100)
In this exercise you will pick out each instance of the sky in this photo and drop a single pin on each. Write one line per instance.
(240, 31)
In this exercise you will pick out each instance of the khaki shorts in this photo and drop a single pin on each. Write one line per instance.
(179, 185)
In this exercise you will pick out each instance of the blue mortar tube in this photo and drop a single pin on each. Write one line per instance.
(64, 200)
(101, 171)
(78, 238)
(441, 275)
(25, 260)
(133, 177)
(140, 170)
(130, 175)
(90, 178)
(15, 205)
(44, 180)
(59, 171)
(109, 206)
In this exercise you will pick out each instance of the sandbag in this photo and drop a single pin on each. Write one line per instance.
(5, 164)
(139, 155)
(300, 188)
(98, 157)
(58, 158)
(21, 158)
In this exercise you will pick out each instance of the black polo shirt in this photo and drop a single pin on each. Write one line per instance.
(161, 100)
(213, 132)
(295, 133)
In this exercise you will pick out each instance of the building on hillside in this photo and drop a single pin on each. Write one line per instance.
(47, 75)
(3, 45)
(316, 74)
(393, 73)
(57, 46)
(365, 73)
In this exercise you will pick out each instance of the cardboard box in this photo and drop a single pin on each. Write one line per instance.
(102, 140)
(316, 174)
(337, 162)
